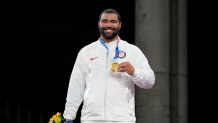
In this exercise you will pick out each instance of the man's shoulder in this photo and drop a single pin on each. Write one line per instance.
(89, 46)
(129, 45)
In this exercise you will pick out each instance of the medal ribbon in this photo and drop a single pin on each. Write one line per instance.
(116, 49)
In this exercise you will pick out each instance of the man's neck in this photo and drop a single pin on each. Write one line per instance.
(109, 40)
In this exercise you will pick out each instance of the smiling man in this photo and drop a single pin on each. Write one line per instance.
(104, 76)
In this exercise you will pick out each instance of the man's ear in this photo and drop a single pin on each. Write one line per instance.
(120, 25)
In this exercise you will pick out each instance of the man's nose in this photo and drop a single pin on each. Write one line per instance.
(109, 24)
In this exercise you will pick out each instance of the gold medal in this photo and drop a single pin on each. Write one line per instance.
(114, 66)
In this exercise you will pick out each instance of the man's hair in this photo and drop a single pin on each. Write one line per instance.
(111, 11)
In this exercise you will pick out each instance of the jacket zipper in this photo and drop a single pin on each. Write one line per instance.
(105, 99)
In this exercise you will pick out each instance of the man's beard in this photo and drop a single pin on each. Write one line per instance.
(109, 36)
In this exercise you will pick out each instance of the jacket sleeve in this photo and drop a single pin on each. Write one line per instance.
(143, 76)
(75, 89)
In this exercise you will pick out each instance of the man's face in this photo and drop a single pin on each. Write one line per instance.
(109, 25)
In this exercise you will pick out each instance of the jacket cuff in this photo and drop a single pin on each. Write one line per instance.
(68, 117)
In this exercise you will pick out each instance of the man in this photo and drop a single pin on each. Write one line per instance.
(104, 76)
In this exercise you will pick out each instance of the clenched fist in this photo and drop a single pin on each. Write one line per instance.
(126, 67)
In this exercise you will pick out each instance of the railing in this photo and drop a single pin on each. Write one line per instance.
(14, 113)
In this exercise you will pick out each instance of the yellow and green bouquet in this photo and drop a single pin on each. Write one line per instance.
(57, 118)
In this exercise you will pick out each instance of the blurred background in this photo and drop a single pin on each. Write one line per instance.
(40, 41)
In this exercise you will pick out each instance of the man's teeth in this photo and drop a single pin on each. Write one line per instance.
(108, 30)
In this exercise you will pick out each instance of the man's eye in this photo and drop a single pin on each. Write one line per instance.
(114, 21)
(104, 21)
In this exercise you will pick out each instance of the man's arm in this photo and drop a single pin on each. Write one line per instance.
(76, 89)
(140, 71)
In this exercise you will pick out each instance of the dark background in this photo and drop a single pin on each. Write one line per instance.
(202, 61)
(40, 41)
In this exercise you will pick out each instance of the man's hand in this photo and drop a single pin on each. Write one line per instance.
(126, 67)
(68, 121)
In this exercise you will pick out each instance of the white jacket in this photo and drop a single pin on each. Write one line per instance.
(106, 95)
